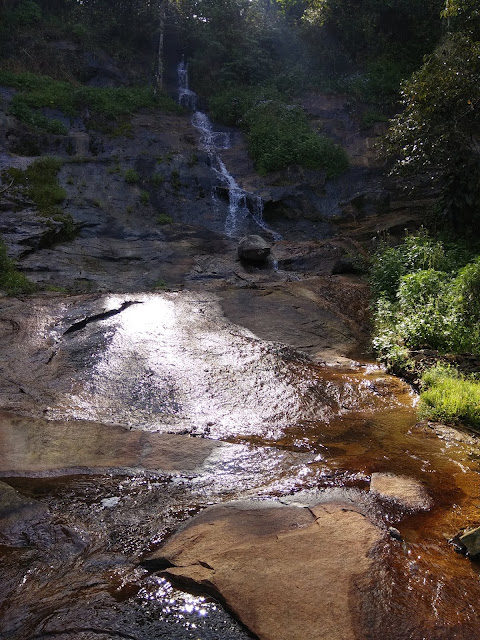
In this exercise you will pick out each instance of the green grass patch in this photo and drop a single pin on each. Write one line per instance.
(12, 281)
(448, 396)
(112, 103)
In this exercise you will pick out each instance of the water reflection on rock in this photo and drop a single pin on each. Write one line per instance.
(124, 416)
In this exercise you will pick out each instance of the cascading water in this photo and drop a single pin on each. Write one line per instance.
(242, 205)
(186, 97)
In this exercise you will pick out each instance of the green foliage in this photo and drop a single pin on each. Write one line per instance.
(468, 288)
(114, 103)
(448, 396)
(157, 180)
(370, 117)
(131, 176)
(417, 253)
(163, 218)
(39, 183)
(192, 160)
(145, 198)
(26, 14)
(12, 281)
(372, 28)
(424, 297)
(175, 180)
(230, 105)
(438, 128)
(36, 120)
(279, 135)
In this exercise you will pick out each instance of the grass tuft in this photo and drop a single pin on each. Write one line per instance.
(448, 396)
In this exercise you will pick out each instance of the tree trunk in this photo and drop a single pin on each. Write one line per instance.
(161, 32)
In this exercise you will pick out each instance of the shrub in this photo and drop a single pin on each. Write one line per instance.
(175, 180)
(422, 299)
(231, 105)
(279, 135)
(157, 180)
(163, 218)
(12, 281)
(26, 14)
(448, 396)
(131, 176)
(417, 253)
(39, 183)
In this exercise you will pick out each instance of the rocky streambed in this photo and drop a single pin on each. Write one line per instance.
(186, 437)
(323, 509)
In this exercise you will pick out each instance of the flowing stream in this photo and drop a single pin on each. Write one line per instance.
(242, 206)
(268, 423)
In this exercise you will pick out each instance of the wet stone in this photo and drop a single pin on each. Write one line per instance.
(21, 519)
(288, 573)
(471, 540)
(253, 248)
(407, 492)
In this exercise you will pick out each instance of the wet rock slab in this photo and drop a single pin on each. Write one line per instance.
(38, 447)
(288, 573)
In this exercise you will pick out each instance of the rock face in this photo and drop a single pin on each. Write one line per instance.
(19, 517)
(253, 249)
(288, 573)
(407, 492)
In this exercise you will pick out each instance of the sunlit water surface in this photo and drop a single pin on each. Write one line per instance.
(172, 363)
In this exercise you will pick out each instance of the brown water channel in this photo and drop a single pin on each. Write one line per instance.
(91, 484)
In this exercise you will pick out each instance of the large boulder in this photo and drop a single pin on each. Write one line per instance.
(253, 249)
(287, 572)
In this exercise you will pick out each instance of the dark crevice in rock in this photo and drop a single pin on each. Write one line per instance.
(156, 564)
(78, 326)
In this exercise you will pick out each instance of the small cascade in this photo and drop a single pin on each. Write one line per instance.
(258, 217)
(242, 205)
(210, 141)
(186, 97)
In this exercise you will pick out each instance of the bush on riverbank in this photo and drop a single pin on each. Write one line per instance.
(425, 295)
(448, 396)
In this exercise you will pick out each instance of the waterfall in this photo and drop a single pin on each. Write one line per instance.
(242, 205)
(186, 97)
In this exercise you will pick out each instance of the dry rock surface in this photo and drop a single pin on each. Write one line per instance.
(288, 573)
